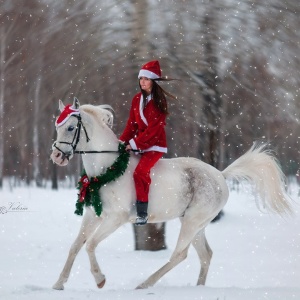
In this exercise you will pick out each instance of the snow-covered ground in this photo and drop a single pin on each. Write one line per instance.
(256, 256)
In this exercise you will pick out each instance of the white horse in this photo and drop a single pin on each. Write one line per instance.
(184, 188)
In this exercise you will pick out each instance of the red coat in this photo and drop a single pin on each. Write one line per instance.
(145, 128)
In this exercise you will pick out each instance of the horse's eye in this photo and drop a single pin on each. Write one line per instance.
(71, 128)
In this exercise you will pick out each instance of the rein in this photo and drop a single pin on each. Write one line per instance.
(76, 139)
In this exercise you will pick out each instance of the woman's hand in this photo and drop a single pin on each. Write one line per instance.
(128, 148)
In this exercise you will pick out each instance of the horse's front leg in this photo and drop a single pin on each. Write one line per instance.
(108, 226)
(89, 223)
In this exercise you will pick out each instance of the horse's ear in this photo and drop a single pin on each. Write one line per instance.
(76, 103)
(61, 105)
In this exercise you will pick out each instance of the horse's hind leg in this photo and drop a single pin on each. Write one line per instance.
(88, 225)
(187, 233)
(204, 253)
(177, 257)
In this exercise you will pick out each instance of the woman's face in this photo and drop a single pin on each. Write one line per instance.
(146, 84)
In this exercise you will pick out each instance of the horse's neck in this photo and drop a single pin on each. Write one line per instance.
(96, 164)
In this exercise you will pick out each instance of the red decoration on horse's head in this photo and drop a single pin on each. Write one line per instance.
(68, 111)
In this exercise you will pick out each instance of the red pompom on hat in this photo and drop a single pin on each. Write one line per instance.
(68, 111)
(150, 70)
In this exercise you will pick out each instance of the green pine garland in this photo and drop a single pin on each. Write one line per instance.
(89, 188)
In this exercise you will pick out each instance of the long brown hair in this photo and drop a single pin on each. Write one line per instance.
(159, 95)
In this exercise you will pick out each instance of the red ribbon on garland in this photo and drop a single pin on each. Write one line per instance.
(85, 183)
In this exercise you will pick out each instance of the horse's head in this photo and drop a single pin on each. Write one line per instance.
(67, 124)
(72, 129)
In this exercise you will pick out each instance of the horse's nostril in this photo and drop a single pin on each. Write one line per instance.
(58, 155)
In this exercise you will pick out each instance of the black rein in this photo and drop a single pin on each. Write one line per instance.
(76, 138)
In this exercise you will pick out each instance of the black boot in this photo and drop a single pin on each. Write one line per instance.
(142, 215)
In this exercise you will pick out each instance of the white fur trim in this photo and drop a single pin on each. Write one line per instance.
(141, 111)
(153, 148)
(74, 113)
(148, 74)
(157, 149)
(133, 144)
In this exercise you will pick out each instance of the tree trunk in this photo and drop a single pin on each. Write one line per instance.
(2, 83)
(36, 155)
(211, 95)
(54, 176)
(150, 236)
(53, 169)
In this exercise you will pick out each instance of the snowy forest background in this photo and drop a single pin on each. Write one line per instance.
(237, 61)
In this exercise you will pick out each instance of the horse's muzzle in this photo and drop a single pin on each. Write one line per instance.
(61, 158)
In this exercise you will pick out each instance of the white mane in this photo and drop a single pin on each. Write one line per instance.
(102, 113)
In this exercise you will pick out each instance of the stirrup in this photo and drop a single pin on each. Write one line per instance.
(141, 220)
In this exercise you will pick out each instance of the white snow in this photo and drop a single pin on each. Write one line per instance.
(256, 256)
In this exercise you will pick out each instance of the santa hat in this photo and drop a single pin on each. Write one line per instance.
(150, 70)
(68, 111)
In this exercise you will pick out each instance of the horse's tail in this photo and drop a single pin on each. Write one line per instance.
(260, 167)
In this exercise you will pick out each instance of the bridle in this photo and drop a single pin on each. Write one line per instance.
(75, 142)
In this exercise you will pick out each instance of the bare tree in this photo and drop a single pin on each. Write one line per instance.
(210, 76)
(2, 93)
(11, 26)
(151, 236)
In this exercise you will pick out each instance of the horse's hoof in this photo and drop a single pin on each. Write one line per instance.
(140, 287)
(58, 287)
(101, 284)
